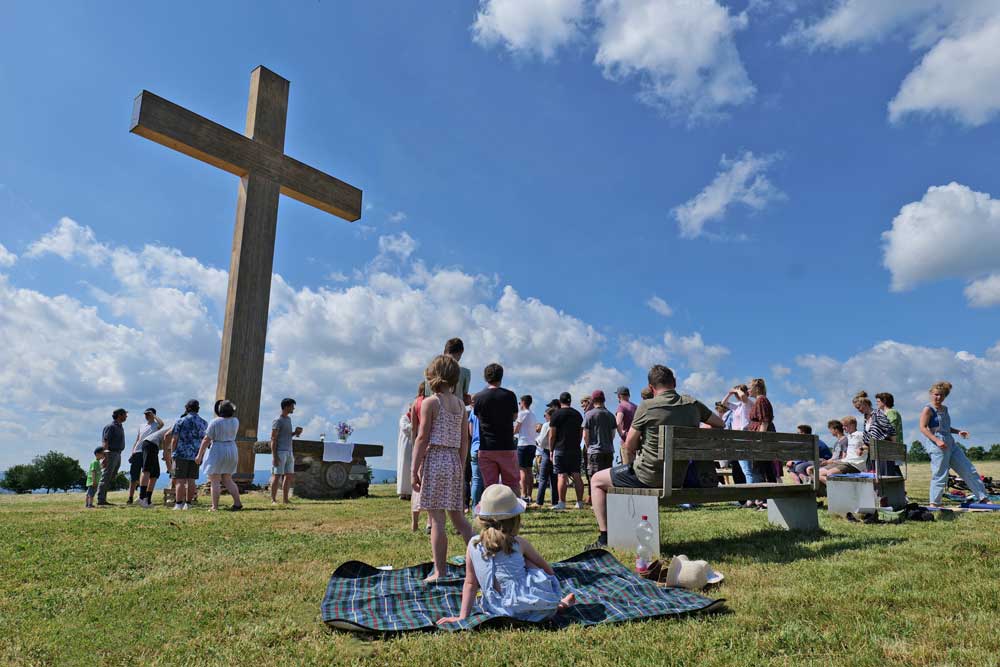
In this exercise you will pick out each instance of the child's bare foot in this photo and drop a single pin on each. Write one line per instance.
(566, 602)
(432, 577)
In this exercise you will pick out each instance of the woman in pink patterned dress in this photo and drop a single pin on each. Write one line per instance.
(439, 458)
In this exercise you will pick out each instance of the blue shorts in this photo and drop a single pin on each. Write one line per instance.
(286, 464)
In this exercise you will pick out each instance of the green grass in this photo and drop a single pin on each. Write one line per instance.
(122, 586)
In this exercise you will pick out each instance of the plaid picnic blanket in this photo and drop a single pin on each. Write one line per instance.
(360, 597)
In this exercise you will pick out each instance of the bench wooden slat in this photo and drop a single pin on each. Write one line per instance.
(726, 435)
(885, 450)
(721, 494)
(686, 449)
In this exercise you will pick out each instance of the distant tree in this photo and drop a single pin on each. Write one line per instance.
(21, 478)
(58, 472)
(975, 453)
(917, 452)
(994, 453)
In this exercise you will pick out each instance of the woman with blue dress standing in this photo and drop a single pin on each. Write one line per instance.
(220, 442)
(935, 424)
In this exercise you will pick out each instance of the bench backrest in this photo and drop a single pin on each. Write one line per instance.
(886, 450)
(684, 443)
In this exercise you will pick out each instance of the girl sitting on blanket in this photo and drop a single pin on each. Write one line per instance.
(516, 581)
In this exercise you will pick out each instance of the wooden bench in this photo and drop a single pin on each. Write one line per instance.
(849, 494)
(791, 506)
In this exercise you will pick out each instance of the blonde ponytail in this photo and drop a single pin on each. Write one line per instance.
(497, 536)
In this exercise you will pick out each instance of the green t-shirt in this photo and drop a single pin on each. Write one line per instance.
(666, 409)
(897, 423)
(94, 473)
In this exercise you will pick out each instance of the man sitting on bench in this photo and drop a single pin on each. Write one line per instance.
(665, 408)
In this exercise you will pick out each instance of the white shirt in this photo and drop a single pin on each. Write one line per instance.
(855, 456)
(526, 423)
(542, 441)
(145, 431)
(741, 414)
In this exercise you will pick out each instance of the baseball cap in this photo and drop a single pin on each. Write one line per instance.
(622, 390)
(597, 395)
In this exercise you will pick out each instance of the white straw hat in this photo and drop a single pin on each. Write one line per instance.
(499, 502)
(693, 575)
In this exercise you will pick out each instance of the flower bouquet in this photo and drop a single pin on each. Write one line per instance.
(344, 431)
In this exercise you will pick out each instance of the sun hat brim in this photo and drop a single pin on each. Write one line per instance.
(499, 516)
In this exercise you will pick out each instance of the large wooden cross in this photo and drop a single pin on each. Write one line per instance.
(258, 158)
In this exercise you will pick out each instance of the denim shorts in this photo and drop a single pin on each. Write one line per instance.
(286, 464)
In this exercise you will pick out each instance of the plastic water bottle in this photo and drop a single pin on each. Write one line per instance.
(644, 551)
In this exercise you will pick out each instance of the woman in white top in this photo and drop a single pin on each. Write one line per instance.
(404, 454)
(220, 441)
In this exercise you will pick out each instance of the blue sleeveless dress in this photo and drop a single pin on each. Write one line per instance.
(510, 588)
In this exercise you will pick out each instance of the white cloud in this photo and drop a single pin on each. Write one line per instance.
(69, 240)
(7, 258)
(658, 305)
(398, 216)
(906, 371)
(401, 245)
(952, 232)
(693, 361)
(959, 77)
(682, 51)
(984, 292)
(741, 181)
(528, 27)
(959, 73)
(356, 352)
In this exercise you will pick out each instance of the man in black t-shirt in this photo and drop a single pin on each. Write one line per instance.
(496, 408)
(565, 432)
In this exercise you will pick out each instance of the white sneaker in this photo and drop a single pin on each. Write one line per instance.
(144, 504)
(559, 507)
(186, 506)
(178, 506)
(579, 505)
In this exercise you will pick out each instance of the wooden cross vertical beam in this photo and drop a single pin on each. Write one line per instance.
(265, 172)
(241, 363)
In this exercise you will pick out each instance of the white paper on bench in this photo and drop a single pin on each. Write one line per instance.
(339, 452)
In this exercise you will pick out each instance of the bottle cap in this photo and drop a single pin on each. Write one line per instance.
(645, 518)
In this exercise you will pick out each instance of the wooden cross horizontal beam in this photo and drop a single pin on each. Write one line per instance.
(174, 126)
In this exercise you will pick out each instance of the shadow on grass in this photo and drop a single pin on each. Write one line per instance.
(776, 546)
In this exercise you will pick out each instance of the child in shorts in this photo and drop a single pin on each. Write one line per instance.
(94, 476)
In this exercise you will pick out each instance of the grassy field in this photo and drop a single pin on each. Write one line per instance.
(123, 586)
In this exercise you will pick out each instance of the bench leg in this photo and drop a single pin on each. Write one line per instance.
(894, 492)
(624, 513)
(793, 513)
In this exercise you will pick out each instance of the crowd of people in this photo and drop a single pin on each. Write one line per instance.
(184, 446)
(453, 445)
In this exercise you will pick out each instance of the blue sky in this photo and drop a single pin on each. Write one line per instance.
(525, 168)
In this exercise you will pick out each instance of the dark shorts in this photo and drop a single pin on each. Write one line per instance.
(151, 459)
(92, 490)
(800, 467)
(185, 469)
(135, 467)
(567, 461)
(526, 457)
(624, 476)
(599, 461)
